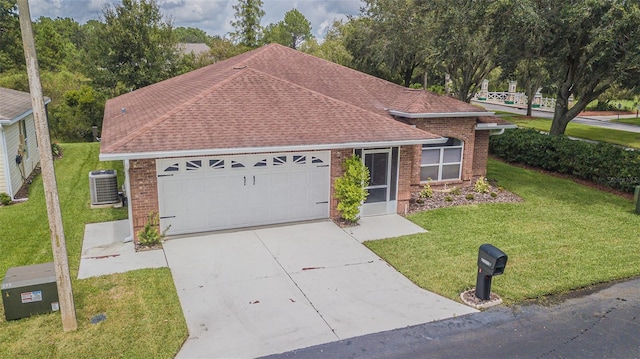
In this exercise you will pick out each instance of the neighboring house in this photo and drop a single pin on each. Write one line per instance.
(18, 148)
(260, 138)
(195, 48)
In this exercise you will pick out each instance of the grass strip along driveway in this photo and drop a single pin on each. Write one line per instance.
(563, 236)
(144, 318)
(624, 138)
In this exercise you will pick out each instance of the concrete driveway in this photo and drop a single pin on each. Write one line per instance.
(270, 290)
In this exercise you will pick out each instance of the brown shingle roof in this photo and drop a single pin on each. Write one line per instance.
(13, 104)
(269, 97)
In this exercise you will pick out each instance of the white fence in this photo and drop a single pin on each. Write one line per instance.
(517, 98)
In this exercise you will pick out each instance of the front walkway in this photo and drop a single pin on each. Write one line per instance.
(104, 252)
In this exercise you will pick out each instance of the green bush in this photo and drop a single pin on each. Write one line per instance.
(469, 196)
(149, 235)
(456, 191)
(5, 199)
(56, 150)
(427, 191)
(448, 199)
(601, 163)
(481, 185)
(350, 188)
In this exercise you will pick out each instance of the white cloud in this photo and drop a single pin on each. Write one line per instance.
(212, 16)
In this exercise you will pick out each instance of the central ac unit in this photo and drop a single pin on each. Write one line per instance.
(104, 187)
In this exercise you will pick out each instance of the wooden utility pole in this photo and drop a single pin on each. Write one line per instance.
(63, 279)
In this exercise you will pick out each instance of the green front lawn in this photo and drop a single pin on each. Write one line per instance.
(144, 318)
(624, 138)
(630, 121)
(562, 237)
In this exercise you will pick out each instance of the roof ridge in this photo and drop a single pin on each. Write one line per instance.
(149, 125)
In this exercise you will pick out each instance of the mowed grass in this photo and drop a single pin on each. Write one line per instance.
(624, 138)
(563, 236)
(144, 318)
(630, 121)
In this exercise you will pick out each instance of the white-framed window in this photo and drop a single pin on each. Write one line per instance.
(442, 162)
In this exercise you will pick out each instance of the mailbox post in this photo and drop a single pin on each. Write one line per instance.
(491, 261)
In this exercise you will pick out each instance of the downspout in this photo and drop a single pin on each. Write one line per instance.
(496, 133)
(127, 188)
(7, 175)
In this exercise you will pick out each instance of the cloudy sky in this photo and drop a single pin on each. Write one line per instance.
(212, 16)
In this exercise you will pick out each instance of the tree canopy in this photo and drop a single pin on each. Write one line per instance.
(463, 44)
(11, 54)
(56, 43)
(247, 28)
(134, 47)
(294, 30)
(587, 47)
(190, 35)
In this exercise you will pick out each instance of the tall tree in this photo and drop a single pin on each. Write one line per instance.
(56, 41)
(397, 37)
(293, 31)
(531, 75)
(133, 48)
(332, 48)
(588, 47)
(11, 54)
(463, 42)
(72, 119)
(248, 30)
(521, 43)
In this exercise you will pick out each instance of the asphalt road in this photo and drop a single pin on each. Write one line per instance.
(548, 114)
(600, 324)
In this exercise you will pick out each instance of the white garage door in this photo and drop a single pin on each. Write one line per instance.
(213, 193)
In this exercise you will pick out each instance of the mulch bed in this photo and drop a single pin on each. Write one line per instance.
(447, 198)
(23, 192)
(141, 248)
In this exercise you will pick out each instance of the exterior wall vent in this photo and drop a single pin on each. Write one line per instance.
(104, 187)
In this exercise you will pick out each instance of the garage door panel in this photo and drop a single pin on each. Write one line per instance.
(280, 180)
(236, 191)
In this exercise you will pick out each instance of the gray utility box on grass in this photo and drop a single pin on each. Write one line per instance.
(30, 290)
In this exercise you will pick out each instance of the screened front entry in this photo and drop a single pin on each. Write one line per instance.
(383, 182)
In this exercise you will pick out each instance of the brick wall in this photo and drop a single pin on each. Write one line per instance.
(409, 175)
(144, 192)
(481, 153)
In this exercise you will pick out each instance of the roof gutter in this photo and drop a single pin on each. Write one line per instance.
(243, 150)
(439, 114)
(494, 126)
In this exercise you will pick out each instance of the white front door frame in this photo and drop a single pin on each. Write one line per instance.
(389, 204)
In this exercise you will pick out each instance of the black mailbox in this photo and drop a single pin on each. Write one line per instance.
(491, 261)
